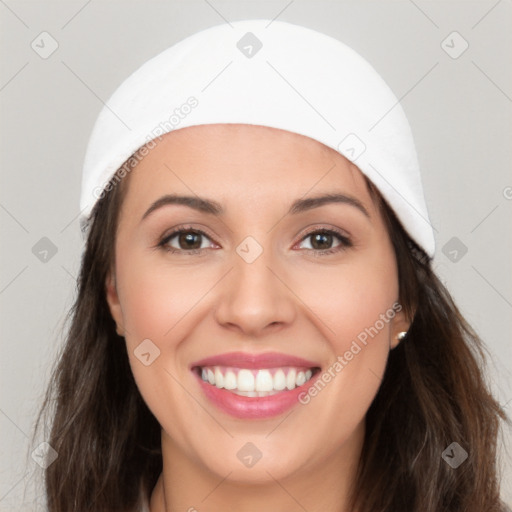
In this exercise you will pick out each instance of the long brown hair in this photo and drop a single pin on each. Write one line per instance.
(433, 393)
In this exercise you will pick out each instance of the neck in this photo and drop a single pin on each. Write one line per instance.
(188, 485)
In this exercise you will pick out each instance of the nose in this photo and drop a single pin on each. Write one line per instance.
(254, 298)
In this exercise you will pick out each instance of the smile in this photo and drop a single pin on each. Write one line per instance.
(256, 383)
(254, 386)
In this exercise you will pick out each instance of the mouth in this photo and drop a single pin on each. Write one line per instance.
(256, 382)
(250, 386)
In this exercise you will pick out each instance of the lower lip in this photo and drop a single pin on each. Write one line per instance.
(246, 407)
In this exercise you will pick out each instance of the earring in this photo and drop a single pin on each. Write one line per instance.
(401, 335)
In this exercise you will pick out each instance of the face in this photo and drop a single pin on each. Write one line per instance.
(264, 288)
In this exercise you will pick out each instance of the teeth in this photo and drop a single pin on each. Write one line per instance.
(230, 380)
(245, 380)
(255, 393)
(264, 382)
(291, 379)
(219, 378)
(279, 380)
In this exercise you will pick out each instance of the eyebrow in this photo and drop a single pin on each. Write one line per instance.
(212, 207)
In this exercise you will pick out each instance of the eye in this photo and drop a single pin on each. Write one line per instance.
(322, 240)
(187, 239)
(190, 241)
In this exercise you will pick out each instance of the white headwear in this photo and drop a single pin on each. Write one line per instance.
(269, 73)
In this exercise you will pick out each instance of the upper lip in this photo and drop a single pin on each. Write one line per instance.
(248, 360)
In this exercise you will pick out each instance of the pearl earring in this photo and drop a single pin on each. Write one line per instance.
(401, 335)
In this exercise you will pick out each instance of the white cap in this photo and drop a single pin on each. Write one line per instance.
(269, 73)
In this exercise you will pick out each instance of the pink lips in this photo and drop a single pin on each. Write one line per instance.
(253, 407)
(255, 361)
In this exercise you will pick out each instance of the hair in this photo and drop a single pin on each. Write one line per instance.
(433, 393)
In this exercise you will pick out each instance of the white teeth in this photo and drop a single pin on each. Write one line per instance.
(230, 380)
(255, 393)
(291, 379)
(264, 381)
(246, 393)
(219, 378)
(254, 383)
(245, 380)
(279, 380)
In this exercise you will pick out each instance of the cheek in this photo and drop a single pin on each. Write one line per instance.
(354, 305)
(155, 305)
(156, 299)
(353, 301)
(162, 304)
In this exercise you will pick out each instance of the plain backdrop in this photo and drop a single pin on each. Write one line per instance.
(458, 101)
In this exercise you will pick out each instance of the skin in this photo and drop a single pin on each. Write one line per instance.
(193, 306)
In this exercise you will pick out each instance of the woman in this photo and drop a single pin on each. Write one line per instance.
(240, 344)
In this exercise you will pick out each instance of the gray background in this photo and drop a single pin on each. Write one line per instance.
(460, 110)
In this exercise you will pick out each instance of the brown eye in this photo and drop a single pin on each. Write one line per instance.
(187, 240)
(321, 241)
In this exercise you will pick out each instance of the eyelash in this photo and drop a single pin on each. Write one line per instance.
(345, 241)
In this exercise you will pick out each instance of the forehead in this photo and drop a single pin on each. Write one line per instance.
(239, 160)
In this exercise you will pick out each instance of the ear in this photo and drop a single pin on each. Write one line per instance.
(400, 323)
(113, 302)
